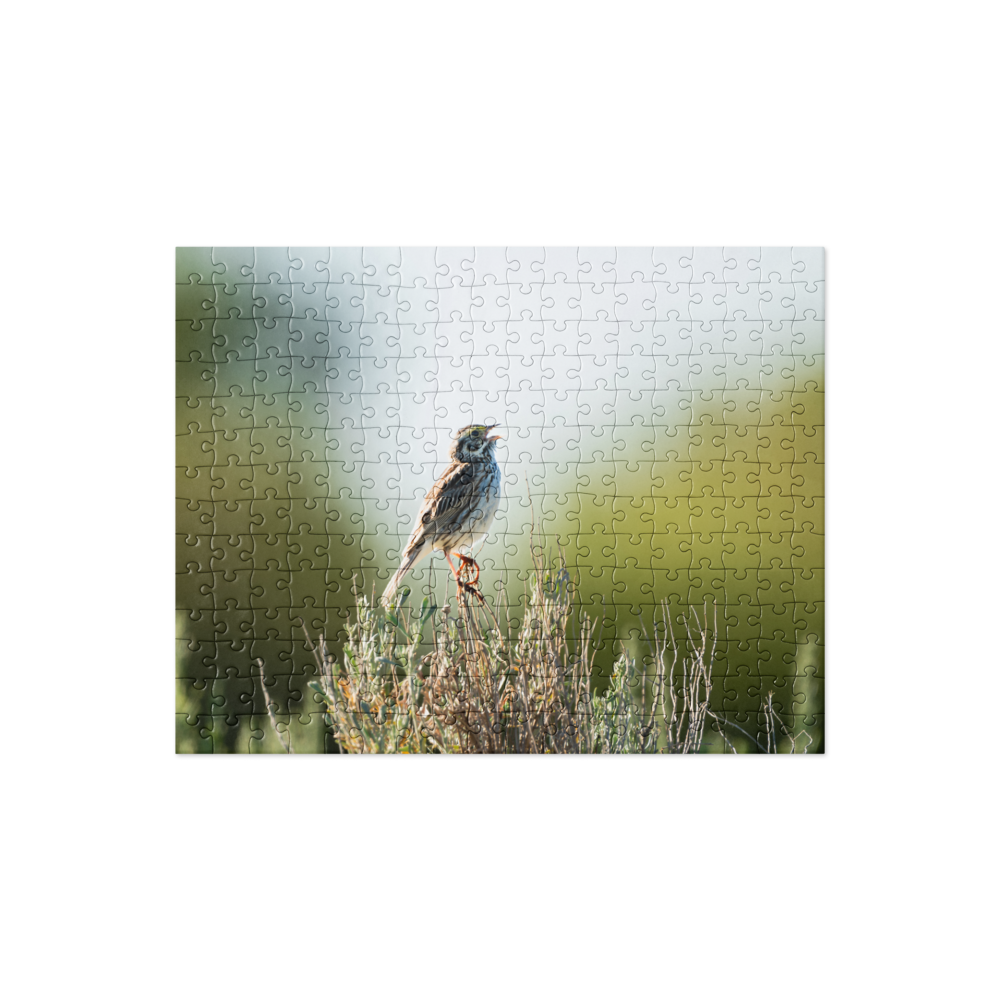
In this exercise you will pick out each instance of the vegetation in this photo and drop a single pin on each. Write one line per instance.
(434, 681)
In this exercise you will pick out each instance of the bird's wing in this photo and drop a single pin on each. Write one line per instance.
(443, 510)
(447, 499)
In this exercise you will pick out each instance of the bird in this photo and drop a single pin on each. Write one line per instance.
(458, 509)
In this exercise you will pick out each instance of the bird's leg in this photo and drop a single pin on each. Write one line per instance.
(451, 566)
(468, 588)
(468, 561)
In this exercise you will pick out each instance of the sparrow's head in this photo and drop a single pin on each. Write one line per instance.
(474, 443)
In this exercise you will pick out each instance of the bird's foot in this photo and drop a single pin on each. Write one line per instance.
(468, 564)
(464, 578)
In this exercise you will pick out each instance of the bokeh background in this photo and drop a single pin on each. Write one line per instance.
(663, 413)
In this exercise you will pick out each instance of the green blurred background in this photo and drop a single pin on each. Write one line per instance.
(664, 420)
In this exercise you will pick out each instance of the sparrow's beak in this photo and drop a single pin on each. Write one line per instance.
(493, 437)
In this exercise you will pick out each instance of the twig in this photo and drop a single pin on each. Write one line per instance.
(272, 714)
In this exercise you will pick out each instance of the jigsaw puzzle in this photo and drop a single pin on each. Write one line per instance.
(500, 499)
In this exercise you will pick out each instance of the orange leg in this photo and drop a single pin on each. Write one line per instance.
(469, 588)
(451, 566)
(468, 561)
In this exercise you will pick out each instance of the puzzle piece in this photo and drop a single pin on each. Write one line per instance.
(663, 419)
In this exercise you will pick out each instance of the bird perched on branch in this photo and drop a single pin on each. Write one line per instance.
(458, 510)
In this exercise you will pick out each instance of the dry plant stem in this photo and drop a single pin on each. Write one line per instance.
(769, 722)
(272, 714)
(694, 688)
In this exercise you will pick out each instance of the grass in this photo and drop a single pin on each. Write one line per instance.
(447, 680)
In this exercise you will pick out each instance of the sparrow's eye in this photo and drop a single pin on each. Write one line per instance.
(475, 434)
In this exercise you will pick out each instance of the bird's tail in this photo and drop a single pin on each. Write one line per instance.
(409, 560)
